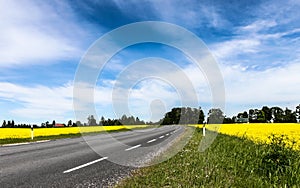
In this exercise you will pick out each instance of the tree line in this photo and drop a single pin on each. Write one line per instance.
(183, 115)
(91, 121)
(271, 115)
(187, 115)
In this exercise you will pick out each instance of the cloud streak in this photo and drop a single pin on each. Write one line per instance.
(36, 33)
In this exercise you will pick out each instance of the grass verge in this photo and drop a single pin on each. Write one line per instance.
(229, 162)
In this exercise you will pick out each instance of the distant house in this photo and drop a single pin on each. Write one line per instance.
(59, 125)
(241, 120)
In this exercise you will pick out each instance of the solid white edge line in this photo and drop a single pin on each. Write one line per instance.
(133, 147)
(162, 136)
(24, 143)
(16, 144)
(84, 165)
(153, 140)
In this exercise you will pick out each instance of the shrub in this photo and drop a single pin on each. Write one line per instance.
(279, 158)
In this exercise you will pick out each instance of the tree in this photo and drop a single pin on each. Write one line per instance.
(289, 116)
(8, 124)
(215, 116)
(102, 121)
(43, 125)
(91, 121)
(47, 124)
(297, 112)
(124, 120)
(260, 116)
(201, 116)
(229, 120)
(4, 123)
(12, 123)
(184, 115)
(243, 115)
(257, 116)
(277, 115)
(70, 123)
(53, 123)
(137, 121)
(78, 123)
(131, 120)
(268, 113)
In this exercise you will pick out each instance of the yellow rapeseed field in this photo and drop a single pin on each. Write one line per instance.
(26, 132)
(259, 132)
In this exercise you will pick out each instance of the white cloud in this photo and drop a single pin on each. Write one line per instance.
(37, 102)
(36, 33)
(47, 103)
(149, 92)
(235, 47)
(258, 25)
(191, 14)
(275, 86)
(259, 44)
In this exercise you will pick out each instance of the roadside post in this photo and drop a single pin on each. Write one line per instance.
(203, 129)
(31, 132)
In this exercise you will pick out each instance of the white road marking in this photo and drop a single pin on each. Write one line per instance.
(41, 141)
(133, 147)
(153, 140)
(17, 144)
(162, 136)
(24, 143)
(86, 164)
(167, 134)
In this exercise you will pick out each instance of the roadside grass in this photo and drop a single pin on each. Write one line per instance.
(229, 162)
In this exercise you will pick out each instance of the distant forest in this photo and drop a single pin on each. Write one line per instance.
(183, 115)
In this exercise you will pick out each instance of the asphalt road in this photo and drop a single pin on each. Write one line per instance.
(91, 161)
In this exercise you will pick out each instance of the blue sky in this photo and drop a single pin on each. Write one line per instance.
(256, 45)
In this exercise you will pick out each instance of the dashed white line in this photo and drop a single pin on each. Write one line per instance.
(153, 140)
(133, 147)
(84, 165)
(41, 141)
(167, 134)
(162, 136)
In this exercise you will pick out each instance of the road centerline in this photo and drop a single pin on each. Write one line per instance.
(133, 147)
(162, 136)
(153, 140)
(85, 165)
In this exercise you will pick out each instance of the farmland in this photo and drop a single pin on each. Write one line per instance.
(259, 132)
(242, 155)
(13, 135)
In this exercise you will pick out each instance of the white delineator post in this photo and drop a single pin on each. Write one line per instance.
(203, 129)
(31, 132)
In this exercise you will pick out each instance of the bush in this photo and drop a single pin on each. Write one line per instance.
(279, 159)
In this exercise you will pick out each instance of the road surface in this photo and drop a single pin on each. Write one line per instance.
(90, 161)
